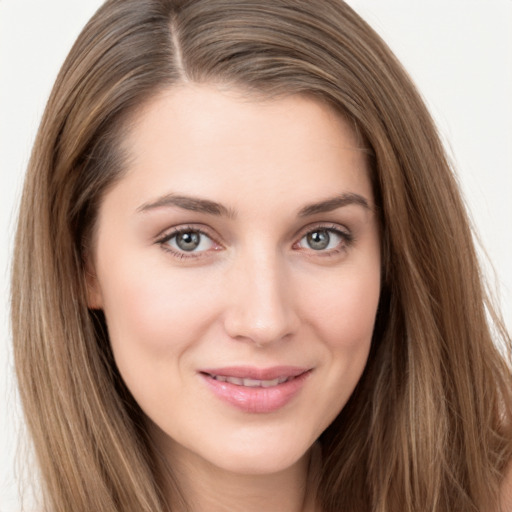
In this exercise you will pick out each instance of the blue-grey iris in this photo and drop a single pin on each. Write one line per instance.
(188, 240)
(318, 240)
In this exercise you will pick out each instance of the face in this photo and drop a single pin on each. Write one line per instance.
(238, 266)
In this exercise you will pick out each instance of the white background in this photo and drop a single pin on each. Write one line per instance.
(459, 52)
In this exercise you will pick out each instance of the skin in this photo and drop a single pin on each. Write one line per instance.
(506, 490)
(255, 292)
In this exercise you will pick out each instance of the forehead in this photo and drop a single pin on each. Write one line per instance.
(226, 143)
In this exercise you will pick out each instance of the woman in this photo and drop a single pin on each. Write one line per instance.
(255, 283)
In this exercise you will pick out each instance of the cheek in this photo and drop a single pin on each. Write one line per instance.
(147, 307)
(153, 322)
(344, 309)
(340, 311)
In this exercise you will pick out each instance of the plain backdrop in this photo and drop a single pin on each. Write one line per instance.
(459, 52)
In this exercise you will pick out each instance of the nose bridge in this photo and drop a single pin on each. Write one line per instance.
(261, 304)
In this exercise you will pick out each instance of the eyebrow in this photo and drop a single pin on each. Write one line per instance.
(194, 204)
(206, 206)
(334, 203)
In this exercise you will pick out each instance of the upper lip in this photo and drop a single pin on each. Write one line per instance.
(251, 372)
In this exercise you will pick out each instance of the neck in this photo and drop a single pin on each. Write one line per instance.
(207, 488)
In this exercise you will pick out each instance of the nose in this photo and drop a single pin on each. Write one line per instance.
(261, 301)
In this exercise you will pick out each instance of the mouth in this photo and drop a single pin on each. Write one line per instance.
(251, 383)
(255, 390)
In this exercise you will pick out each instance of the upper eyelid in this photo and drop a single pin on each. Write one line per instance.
(168, 233)
(206, 230)
(328, 226)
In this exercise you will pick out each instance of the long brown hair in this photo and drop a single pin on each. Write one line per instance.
(428, 427)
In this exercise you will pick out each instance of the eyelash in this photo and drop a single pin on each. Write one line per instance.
(163, 242)
(346, 237)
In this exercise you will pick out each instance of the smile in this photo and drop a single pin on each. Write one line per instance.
(254, 390)
(251, 383)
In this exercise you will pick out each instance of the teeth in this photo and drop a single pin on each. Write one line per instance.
(269, 383)
(251, 383)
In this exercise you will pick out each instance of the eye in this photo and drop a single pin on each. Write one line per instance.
(325, 239)
(188, 240)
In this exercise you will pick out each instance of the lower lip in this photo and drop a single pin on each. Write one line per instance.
(257, 399)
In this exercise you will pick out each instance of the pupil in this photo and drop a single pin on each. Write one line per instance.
(187, 241)
(318, 240)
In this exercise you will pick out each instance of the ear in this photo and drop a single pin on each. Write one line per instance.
(94, 295)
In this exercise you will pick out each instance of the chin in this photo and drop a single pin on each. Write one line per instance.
(259, 458)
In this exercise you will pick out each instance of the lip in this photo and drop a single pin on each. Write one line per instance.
(256, 400)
